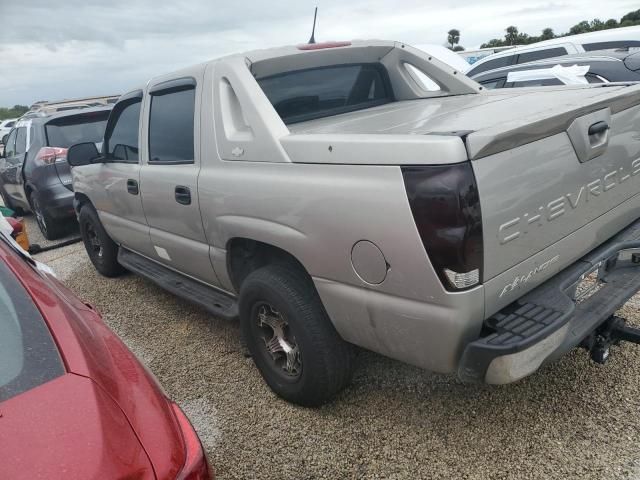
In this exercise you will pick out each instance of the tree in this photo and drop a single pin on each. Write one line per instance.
(453, 37)
(611, 23)
(547, 34)
(582, 27)
(458, 48)
(493, 43)
(633, 17)
(597, 24)
(511, 38)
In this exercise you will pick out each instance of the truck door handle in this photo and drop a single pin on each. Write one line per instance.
(132, 187)
(598, 127)
(183, 195)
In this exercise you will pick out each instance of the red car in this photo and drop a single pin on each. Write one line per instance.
(74, 401)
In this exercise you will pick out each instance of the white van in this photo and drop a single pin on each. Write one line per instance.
(556, 47)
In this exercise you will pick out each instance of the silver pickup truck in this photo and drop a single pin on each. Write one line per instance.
(364, 193)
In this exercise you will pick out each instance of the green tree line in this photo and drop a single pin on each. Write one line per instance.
(514, 37)
(14, 112)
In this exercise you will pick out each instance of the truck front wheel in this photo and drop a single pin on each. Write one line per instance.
(102, 251)
(291, 339)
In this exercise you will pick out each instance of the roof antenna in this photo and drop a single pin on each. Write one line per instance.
(313, 31)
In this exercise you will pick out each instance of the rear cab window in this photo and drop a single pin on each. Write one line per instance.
(66, 131)
(28, 354)
(308, 94)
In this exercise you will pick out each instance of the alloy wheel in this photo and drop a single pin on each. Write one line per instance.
(278, 342)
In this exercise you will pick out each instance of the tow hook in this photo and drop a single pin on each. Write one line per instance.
(612, 332)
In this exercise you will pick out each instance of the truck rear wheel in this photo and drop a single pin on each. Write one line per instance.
(102, 251)
(291, 339)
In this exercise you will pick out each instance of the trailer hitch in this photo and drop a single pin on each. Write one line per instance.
(611, 332)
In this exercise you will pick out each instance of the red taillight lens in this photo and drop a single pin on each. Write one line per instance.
(445, 205)
(51, 155)
(195, 464)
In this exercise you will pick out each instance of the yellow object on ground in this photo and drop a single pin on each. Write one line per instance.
(22, 238)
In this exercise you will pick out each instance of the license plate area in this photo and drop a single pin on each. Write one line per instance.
(589, 283)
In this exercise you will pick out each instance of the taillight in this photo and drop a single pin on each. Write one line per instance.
(195, 465)
(446, 208)
(51, 155)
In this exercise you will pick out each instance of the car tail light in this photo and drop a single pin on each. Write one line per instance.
(51, 155)
(446, 208)
(195, 464)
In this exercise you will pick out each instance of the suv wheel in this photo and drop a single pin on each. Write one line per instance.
(102, 251)
(291, 339)
(50, 228)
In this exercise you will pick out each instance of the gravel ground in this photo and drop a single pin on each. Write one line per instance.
(573, 419)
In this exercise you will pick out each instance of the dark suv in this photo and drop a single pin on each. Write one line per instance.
(34, 173)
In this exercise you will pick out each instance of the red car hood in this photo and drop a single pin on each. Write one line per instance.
(77, 431)
(89, 349)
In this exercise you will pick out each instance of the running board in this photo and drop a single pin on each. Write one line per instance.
(216, 302)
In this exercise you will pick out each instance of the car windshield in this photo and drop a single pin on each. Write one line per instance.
(28, 355)
(66, 131)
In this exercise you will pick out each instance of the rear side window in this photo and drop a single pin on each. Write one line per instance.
(21, 140)
(66, 131)
(590, 47)
(320, 92)
(28, 355)
(538, 83)
(491, 64)
(541, 54)
(171, 126)
(10, 124)
(121, 137)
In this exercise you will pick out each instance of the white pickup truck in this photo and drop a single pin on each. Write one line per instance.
(364, 193)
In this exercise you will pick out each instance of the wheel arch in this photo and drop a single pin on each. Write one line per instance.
(245, 255)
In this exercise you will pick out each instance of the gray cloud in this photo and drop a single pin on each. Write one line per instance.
(62, 49)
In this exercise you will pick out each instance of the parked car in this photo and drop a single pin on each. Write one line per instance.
(604, 67)
(326, 197)
(34, 174)
(6, 126)
(585, 42)
(74, 401)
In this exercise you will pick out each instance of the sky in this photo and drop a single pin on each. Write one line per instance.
(56, 49)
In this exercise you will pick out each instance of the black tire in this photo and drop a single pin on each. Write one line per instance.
(102, 251)
(51, 228)
(325, 360)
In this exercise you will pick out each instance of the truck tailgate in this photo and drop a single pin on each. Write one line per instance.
(557, 185)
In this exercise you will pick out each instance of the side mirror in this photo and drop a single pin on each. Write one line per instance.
(82, 154)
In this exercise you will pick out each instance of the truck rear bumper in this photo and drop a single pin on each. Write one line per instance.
(558, 315)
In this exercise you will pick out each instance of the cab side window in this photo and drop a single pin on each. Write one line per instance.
(10, 147)
(121, 135)
(171, 123)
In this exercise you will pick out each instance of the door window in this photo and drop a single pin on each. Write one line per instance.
(171, 123)
(21, 140)
(10, 148)
(121, 138)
